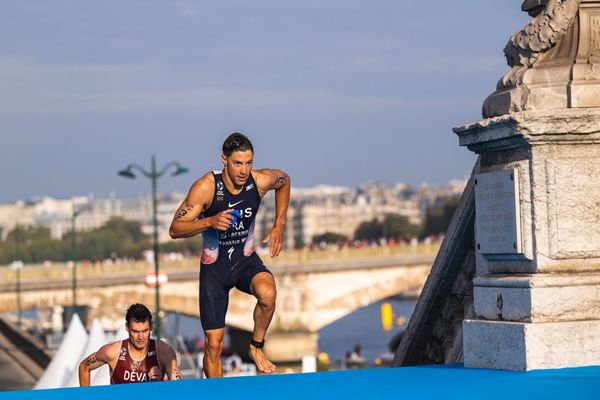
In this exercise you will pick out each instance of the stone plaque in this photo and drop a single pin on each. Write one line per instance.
(497, 218)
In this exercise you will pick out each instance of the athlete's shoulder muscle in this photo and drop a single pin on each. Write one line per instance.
(165, 352)
(109, 352)
(106, 354)
(203, 187)
(198, 198)
(168, 360)
(270, 178)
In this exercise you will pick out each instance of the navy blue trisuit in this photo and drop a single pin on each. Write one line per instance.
(228, 258)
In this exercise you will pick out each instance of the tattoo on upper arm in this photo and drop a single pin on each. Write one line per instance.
(280, 180)
(184, 212)
(90, 361)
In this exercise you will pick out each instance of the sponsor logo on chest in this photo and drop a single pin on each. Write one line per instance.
(220, 193)
(122, 354)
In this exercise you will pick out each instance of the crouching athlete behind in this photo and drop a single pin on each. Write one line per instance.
(222, 205)
(135, 359)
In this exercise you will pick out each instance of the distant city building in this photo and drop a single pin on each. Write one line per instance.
(312, 211)
(11, 215)
(57, 214)
(341, 210)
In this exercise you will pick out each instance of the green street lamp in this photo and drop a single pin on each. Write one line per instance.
(73, 263)
(153, 175)
(17, 266)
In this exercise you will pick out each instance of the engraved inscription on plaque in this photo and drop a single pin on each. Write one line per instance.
(594, 33)
(497, 212)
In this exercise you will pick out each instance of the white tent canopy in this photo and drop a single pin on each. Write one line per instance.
(66, 359)
(100, 376)
(121, 333)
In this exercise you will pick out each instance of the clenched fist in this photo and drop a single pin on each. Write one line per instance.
(155, 374)
(222, 221)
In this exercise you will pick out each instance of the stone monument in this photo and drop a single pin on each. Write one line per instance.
(536, 290)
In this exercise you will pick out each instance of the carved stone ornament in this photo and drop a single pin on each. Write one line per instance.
(542, 33)
(554, 60)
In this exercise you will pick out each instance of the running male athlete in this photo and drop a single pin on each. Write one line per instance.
(228, 257)
(135, 359)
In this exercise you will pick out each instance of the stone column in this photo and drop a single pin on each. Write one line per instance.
(537, 198)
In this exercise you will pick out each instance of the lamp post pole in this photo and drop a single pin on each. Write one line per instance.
(154, 178)
(153, 175)
(73, 265)
(17, 265)
(74, 216)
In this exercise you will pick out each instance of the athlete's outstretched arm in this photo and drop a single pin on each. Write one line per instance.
(95, 360)
(168, 361)
(279, 181)
(186, 223)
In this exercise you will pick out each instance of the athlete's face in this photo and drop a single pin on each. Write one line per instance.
(139, 333)
(238, 166)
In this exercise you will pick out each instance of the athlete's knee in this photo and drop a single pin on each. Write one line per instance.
(213, 345)
(266, 295)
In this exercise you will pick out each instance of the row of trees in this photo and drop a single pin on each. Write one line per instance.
(118, 238)
(391, 226)
(397, 226)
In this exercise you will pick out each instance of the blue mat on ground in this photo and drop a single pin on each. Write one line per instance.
(426, 382)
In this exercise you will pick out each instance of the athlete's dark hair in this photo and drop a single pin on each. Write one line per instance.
(236, 142)
(138, 313)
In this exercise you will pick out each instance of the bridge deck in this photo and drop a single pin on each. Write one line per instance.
(111, 278)
(441, 382)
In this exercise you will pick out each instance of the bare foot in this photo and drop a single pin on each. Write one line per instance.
(261, 361)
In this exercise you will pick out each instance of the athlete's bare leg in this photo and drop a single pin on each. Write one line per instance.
(263, 288)
(213, 347)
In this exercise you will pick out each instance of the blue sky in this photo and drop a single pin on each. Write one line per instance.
(331, 91)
